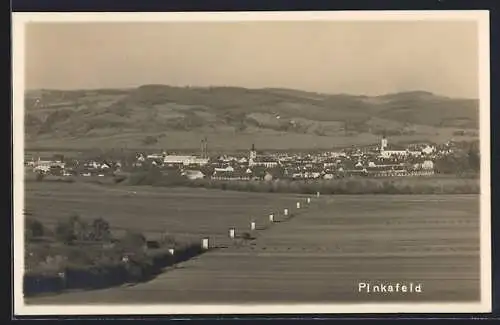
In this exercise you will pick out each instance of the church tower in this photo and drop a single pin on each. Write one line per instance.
(253, 154)
(383, 143)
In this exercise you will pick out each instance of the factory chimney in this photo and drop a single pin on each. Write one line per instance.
(206, 148)
(202, 148)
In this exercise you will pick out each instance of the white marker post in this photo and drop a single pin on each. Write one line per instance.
(317, 194)
(252, 225)
(271, 217)
(298, 205)
(62, 276)
(171, 251)
(204, 243)
(285, 212)
(308, 200)
(231, 233)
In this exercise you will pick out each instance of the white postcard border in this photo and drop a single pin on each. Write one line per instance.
(481, 17)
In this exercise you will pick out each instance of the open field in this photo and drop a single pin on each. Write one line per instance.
(319, 255)
(184, 213)
(227, 140)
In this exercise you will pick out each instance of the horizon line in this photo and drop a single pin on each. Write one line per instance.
(321, 93)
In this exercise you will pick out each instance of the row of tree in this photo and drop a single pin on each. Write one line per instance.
(464, 161)
(69, 230)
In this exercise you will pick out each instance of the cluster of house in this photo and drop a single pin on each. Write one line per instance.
(382, 161)
(47, 165)
(377, 161)
(58, 167)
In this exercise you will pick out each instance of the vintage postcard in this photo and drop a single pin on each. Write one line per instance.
(251, 163)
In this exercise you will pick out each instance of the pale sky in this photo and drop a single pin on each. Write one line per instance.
(369, 58)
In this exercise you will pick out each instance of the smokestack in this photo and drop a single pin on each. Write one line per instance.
(206, 147)
(253, 147)
(202, 148)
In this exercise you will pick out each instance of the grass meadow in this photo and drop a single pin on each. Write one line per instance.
(319, 254)
(188, 213)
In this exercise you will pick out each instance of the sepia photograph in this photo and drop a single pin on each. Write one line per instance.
(251, 163)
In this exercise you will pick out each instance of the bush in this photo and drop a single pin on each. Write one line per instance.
(152, 176)
(64, 232)
(81, 255)
(349, 185)
(137, 178)
(133, 241)
(39, 282)
(100, 230)
(54, 267)
(168, 240)
(33, 228)
(173, 178)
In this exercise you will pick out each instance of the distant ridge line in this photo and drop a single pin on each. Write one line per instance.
(270, 89)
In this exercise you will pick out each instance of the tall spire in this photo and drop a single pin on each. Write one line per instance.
(202, 148)
(253, 154)
(206, 147)
(383, 143)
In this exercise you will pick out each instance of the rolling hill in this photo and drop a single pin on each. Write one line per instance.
(161, 116)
